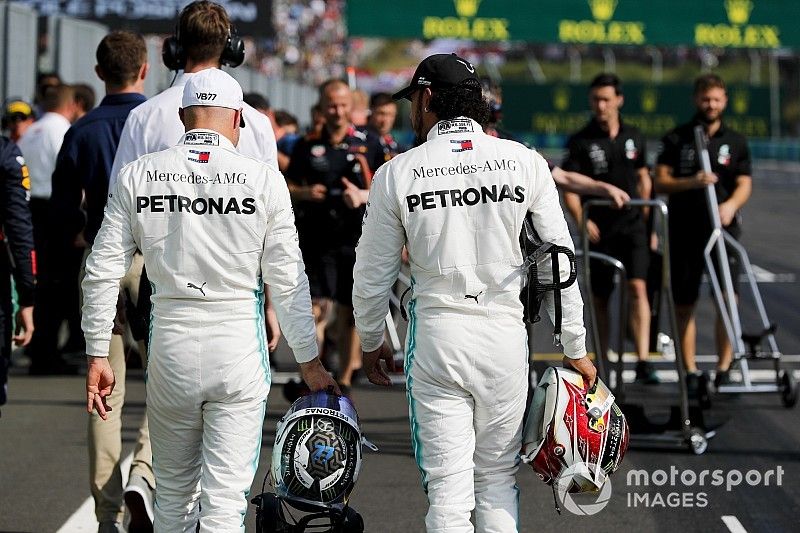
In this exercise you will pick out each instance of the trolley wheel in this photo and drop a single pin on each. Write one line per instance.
(703, 394)
(788, 389)
(698, 443)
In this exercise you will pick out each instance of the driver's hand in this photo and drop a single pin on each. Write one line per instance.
(584, 367)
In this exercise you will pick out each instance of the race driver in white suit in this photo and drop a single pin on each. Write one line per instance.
(458, 202)
(202, 40)
(213, 226)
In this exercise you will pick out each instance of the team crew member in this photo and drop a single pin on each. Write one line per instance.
(609, 150)
(15, 219)
(382, 114)
(328, 176)
(80, 181)
(211, 225)
(679, 174)
(458, 203)
(204, 32)
(569, 181)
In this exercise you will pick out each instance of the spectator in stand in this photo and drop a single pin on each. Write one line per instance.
(18, 116)
(310, 41)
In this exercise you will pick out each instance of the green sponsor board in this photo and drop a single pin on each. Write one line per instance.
(719, 23)
(564, 108)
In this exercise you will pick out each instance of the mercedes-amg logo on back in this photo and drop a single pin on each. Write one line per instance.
(200, 288)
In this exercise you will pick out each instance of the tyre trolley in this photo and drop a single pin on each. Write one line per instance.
(688, 429)
(746, 346)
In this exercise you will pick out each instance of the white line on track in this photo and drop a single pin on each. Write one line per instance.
(765, 276)
(733, 524)
(83, 520)
(671, 376)
(655, 358)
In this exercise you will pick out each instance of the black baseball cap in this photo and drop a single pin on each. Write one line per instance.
(439, 71)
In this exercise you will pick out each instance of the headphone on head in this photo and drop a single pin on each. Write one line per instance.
(174, 56)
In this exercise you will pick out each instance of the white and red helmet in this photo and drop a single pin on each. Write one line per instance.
(568, 426)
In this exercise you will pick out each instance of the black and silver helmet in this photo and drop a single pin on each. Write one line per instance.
(317, 454)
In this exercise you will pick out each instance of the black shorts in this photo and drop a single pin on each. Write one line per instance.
(687, 265)
(330, 273)
(628, 244)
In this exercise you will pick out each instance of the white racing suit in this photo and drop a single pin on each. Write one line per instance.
(458, 203)
(151, 127)
(213, 227)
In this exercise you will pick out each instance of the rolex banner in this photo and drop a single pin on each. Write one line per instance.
(562, 109)
(718, 23)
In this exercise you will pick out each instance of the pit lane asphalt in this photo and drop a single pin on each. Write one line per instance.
(44, 472)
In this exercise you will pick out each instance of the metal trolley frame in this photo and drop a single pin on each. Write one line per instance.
(689, 433)
(745, 346)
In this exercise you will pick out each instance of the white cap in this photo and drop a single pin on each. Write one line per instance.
(214, 88)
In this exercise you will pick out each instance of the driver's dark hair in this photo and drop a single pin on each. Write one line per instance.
(463, 100)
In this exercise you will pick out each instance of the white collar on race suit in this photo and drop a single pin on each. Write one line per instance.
(204, 137)
(460, 125)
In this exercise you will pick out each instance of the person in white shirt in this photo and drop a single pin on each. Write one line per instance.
(40, 145)
(204, 30)
(42, 141)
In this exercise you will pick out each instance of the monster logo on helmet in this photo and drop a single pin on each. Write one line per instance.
(315, 465)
